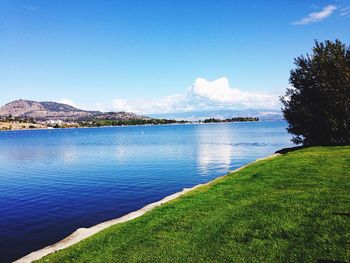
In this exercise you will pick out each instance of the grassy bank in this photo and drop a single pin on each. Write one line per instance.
(293, 208)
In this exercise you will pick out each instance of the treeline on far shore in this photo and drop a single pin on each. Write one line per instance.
(235, 119)
(15, 123)
(101, 123)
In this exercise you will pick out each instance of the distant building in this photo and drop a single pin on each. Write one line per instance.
(53, 122)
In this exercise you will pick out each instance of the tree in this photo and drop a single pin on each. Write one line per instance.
(317, 105)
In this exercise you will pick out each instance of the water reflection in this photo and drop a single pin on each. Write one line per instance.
(214, 151)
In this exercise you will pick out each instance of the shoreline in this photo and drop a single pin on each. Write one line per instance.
(83, 233)
(136, 125)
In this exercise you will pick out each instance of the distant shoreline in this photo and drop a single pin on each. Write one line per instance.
(131, 125)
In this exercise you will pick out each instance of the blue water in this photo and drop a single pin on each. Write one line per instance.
(55, 181)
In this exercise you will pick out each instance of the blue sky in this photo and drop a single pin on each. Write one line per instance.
(159, 56)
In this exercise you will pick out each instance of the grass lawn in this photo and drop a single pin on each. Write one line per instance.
(293, 208)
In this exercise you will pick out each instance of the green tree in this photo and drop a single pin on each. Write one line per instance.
(317, 105)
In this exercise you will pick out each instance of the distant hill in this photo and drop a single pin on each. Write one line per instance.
(43, 111)
(262, 114)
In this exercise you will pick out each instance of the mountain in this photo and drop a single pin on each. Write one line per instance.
(43, 111)
(265, 115)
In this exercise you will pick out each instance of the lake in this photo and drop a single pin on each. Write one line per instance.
(55, 181)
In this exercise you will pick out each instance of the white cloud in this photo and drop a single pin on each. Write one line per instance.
(317, 16)
(174, 103)
(219, 92)
(68, 102)
(202, 95)
(99, 107)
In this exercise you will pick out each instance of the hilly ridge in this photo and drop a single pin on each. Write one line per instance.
(47, 110)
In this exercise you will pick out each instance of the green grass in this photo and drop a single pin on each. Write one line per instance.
(278, 210)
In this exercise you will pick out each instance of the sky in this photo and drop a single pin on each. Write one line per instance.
(157, 56)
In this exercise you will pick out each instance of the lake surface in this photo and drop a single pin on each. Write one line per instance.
(55, 181)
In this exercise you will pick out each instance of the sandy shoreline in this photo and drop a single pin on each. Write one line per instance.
(83, 233)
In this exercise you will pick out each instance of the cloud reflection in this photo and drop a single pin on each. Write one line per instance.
(214, 150)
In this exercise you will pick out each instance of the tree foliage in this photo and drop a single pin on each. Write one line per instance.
(317, 105)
